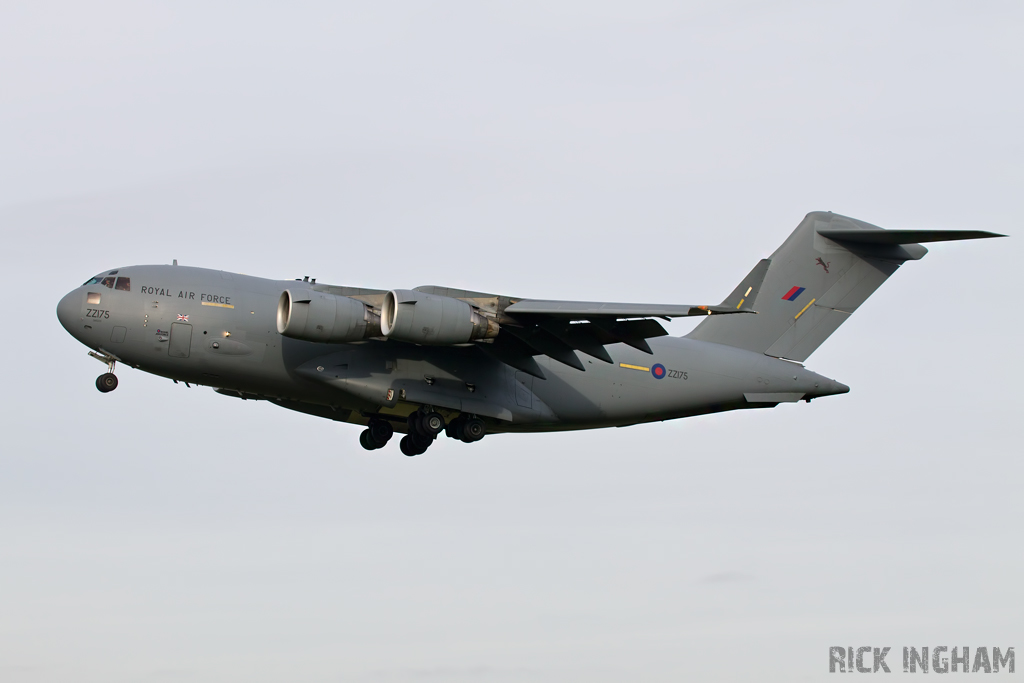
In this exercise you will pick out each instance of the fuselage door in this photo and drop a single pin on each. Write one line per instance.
(181, 340)
(524, 390)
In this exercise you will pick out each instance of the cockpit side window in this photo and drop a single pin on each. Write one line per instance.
(124, 284)
(92, 281)
(108, 282)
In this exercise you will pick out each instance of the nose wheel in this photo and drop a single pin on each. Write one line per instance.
(106, 382)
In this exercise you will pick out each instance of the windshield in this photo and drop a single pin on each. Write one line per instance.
(108, 281)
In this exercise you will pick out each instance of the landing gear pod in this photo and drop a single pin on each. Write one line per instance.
(322, 317)
(420, 318)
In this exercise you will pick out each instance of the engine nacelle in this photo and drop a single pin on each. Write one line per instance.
(420, 318)
(322, 317)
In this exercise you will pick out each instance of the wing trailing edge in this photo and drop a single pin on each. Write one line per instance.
(584, 310)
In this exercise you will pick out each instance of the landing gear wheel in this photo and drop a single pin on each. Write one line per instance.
(432, 424)
(427, 425)
(381, 432)
(367, 441)
(415, 424)
(410, 446)
(472, 430)
(106, 382)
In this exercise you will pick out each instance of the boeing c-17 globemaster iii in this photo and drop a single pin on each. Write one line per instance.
(436, 359)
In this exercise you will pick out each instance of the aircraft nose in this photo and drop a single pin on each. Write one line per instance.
(68, 309)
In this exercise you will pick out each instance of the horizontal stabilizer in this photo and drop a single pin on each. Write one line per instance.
(880, 236)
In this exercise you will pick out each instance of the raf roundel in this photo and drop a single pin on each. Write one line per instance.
(658, 371)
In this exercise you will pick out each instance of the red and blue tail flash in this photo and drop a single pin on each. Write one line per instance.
(792, 294)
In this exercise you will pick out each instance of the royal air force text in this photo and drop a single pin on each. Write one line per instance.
(189, 296)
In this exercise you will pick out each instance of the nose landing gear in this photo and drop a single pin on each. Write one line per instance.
(106, 382)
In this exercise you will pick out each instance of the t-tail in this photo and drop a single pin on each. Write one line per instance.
(812, 283)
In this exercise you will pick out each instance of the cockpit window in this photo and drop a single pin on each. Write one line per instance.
(108, 282)
(124, 284)
(92, 281)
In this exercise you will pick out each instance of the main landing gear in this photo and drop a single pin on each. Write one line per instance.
(466, 429)
(106, 382)
(376, 435)
(422, 428)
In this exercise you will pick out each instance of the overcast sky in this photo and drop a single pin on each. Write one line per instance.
(604, 151)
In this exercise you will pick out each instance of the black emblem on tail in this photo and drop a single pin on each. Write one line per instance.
(823, 264)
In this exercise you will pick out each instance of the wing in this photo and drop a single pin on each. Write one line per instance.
(560, 329)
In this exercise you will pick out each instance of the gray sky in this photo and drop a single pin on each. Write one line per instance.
(633, 152)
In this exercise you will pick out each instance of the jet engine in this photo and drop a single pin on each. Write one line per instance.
(322, 317)
(420, 318)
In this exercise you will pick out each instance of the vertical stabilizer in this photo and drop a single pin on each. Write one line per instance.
(812, 283)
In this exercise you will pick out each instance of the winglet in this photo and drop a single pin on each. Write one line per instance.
(743, 297)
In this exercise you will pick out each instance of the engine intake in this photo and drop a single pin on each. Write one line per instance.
(321, 317)
(420, 318)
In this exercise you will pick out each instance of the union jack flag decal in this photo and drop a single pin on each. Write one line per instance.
(182, 318)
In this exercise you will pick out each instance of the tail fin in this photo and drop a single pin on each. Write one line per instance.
(812, 283)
